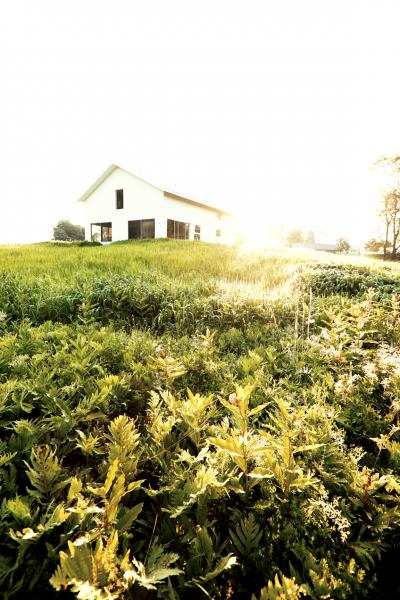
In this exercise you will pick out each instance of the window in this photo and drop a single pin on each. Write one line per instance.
(177, 230)
(197, 232)
(171, 229)
(101, 232)
(218, 233)
(141, 229)
(119, 199)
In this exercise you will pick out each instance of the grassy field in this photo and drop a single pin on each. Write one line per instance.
(187, 420)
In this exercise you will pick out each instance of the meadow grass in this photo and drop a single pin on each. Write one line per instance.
(175, 259)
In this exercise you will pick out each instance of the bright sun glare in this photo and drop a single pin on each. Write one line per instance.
(264, 109)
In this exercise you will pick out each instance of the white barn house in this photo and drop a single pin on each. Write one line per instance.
(121, 206)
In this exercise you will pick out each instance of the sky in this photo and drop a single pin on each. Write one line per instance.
(273, 110)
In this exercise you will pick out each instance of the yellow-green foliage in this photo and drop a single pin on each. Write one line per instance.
(181, 420)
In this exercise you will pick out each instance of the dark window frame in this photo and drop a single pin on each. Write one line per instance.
(140, 222)
(119, 199)
(178, 230)
(105, 231)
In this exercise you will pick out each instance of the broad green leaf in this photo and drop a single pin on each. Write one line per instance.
(126, 520)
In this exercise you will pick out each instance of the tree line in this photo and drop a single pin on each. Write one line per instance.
(389, 213)
(297, 236)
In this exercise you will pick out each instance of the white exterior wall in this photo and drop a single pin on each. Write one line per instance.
(145, 201)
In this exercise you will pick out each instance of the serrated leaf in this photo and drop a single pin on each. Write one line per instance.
(246, 535)
(111, 473)
(230, 445)
(308, 447)
(126, 520)
(226, 562)
(6, 458)
(261, 473)
(257, 409)
(134, 485)
(233, 409)
(74, 489)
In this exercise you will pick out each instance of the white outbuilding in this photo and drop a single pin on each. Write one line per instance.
(122, 206)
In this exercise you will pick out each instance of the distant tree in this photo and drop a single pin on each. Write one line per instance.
(389, 210)
(310, 238)
(386, 217)
(342, 245)
(374, 245)
(68, 232)
(390, 215)
(295, 237)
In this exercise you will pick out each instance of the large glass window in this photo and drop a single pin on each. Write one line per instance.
(196, 232)
(141, 229)
(101, 232)
(148, 228)
(177, 230)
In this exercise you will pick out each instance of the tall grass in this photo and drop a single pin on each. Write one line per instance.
(153, 284)
(186, 261)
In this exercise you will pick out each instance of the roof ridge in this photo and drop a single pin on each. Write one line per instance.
(167, 193)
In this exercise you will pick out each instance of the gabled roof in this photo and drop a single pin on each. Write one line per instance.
(195, 203)
(98, 182)
(167, 194)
